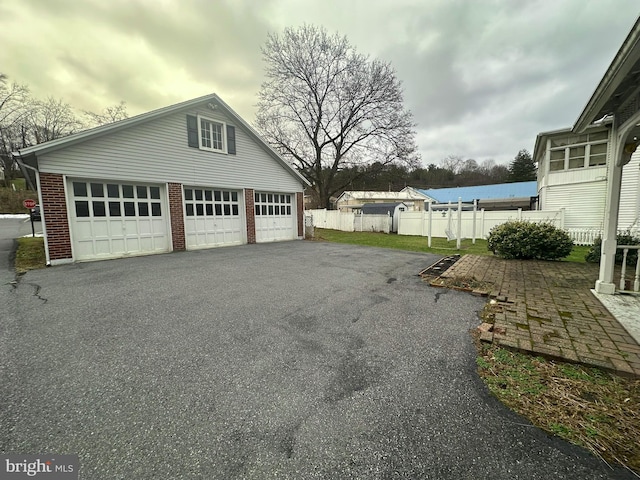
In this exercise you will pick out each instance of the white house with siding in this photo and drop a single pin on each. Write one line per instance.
(592, 168)
(188, 176)
(353, 200)
(572, 174)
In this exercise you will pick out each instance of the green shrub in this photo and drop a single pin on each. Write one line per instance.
(626, 238)
(528, 240)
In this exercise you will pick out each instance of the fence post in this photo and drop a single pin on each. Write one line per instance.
(459, 232)
(473, 228)
(309, 231)
(430, 225)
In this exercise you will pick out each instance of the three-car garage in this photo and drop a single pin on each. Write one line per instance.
(189, 176)
(111, 219)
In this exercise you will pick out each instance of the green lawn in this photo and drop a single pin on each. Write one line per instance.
(413, 243)
(19, 183)
(30, 254)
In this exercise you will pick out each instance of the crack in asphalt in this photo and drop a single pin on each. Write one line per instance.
(437, 295)
(36, 292)
(36, 288)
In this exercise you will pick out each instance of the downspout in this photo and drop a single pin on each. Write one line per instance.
(42, 214)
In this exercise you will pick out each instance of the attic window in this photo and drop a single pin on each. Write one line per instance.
(211, 135)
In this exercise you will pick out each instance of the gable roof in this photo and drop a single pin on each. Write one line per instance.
(373, 208)
(483, 192)
(406, 193)
(618, 82)
(91, 133)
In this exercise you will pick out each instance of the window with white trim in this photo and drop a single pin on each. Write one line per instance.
(204, 202)
(270, 204)
(578, 151)
(212, 135)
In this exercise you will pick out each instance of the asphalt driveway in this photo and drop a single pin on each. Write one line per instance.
(292, 360)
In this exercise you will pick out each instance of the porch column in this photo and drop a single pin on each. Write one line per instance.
(605, 283)
(623, 145)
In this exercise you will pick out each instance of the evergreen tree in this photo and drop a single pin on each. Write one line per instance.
(522, 168)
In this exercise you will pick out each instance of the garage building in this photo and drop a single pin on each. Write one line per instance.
(188, 176)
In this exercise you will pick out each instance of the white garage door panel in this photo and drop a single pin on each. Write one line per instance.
(110, 220)
(213, 217)
(275, 217)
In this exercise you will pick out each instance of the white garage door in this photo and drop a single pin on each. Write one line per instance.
(213, 217)
(110, 220)
(275, 217)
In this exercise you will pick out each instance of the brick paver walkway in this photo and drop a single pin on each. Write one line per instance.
(548, 308)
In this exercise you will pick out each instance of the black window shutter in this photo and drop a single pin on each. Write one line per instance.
(231, 139)
(192, 131)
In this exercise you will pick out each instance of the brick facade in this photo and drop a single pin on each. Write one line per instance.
(54, 209)
(177, 216)
(300, 208)
(250, 215)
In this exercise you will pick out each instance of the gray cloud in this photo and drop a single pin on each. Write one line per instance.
(482, 78)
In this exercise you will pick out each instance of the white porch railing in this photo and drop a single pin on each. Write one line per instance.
(587, 236)
(584, 236)
(623, 272)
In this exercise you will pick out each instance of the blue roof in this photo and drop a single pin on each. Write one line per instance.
(483, 192)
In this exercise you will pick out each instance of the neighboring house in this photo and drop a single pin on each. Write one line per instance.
(188, 176)
(501, 196)
(572, 174)
(352, 201)
(392, 209)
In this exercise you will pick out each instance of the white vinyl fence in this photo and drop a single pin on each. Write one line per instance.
(444, 223)
(473, 224)
(349, 221)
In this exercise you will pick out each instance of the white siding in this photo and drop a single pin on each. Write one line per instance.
(630, 194)
(583, 203)
(157, 151)
(583, 195)
(576, 175)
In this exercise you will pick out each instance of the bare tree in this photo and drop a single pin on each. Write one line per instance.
(50, 119)
(326, 108)
(25, 121)
(13, 98)
(469, 166)
(493, 172)
(110, 114)
(453, 163)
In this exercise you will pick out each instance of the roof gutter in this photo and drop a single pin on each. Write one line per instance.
(18, 157)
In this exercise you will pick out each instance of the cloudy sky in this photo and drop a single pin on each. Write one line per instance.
(482, 77)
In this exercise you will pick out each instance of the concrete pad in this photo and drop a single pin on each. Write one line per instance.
(626, 310)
